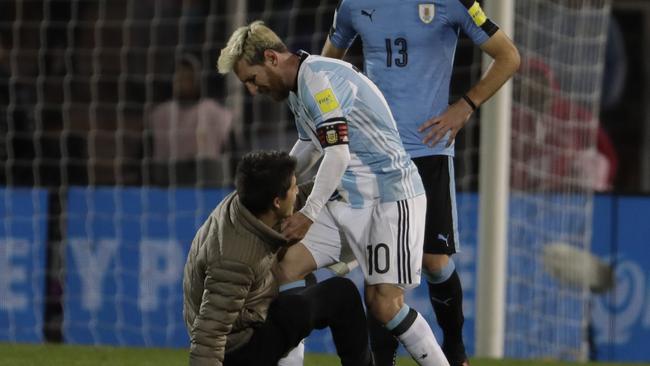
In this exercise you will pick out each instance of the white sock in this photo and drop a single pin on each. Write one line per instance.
(295, 357)
(417, 337)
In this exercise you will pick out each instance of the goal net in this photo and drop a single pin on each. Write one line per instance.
(118, 138)
(555, 168)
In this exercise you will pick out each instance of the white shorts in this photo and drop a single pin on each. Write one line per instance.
(386, 239)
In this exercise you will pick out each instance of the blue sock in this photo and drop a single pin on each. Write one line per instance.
(292, 285)
(398, 318)
(442, 275)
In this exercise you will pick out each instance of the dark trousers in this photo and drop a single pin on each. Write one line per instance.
(333, 303)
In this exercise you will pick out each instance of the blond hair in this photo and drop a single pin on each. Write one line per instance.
(249, 42)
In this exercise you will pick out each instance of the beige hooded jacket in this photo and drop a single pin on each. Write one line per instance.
(228, 283)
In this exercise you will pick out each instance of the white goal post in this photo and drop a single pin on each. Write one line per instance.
(494, 174)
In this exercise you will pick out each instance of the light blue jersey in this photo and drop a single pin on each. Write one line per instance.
(409, 48)
(332, 93)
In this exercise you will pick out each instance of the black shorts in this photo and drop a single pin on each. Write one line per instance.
(441, 231)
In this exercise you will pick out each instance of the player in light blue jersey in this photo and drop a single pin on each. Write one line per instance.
(367, 197)
(408, 49)
(345, 102)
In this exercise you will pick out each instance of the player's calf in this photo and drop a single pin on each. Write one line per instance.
(415, 335)
(386, 303)
(446, 295)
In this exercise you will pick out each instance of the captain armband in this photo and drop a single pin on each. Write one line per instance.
(333, 132)
(480, 19)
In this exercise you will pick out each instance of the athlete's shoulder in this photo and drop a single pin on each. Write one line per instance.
(316, 63)
(318, 72)
(471, 16)
(466, 3)
(355, 3)
(362, 9)
(462, 6)
(316, 59)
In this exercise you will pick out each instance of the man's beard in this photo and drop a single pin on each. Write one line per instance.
(280, 96)
(280, 93)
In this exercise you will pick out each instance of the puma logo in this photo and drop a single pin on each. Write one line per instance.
(444, 238)
(443, 302)
(369, 15)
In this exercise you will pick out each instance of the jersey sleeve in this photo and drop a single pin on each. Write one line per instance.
(302, 134)
(325, 103)
(469, 15)
(342, 33)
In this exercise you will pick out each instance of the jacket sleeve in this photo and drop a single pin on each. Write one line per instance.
(226, 286)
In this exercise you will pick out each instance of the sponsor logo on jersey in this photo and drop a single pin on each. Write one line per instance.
(368, 13)
(477, 14)
(326, 100)
(427, 12)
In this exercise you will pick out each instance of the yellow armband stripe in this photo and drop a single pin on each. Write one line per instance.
(477, 14)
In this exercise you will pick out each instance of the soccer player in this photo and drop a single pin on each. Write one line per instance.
(408, 52)
(232, 310)
(367, 192)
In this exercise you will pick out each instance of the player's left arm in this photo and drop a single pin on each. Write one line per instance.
(506, 62)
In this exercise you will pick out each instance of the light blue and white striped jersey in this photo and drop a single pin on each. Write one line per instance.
(332, 91)
(409, 48)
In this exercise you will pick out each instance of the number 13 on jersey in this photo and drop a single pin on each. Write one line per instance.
(401, 48)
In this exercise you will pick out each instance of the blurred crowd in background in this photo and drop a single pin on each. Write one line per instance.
(126, 93)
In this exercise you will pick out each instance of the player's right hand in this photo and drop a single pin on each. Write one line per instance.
(454, 118)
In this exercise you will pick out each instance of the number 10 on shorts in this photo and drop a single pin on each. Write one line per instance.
(378, 258)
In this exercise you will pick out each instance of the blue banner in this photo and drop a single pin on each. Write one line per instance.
(621, 317)
(125, 254)
(126, 249)
(23, 236)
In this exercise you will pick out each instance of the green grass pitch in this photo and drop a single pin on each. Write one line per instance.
(58, 355)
